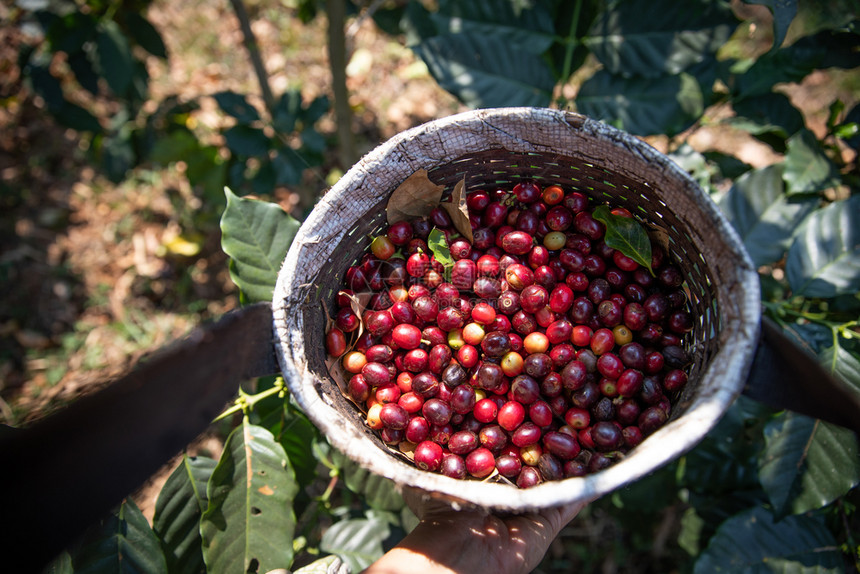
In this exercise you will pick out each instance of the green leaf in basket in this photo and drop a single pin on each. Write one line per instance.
(438, 244)
(256, 235)
(626, 235)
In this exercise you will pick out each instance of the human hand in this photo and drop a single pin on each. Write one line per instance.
(473, 540)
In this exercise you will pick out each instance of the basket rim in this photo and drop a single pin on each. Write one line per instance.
(737, 340)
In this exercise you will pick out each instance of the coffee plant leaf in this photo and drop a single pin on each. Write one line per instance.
(249, 522)
(295, 432)
(178, 509)
(667, 104)
(652, 38)
(114, 57)
(256, 235)
(357, 541)
(793, 63)
(783, 13)
(84, 71)
(765, 218)
(754, 541)
(246, 141)
(122, 542)
(529, 28)
(146, 35)
(324, 565)
(824, 260)
(806, 463)
(807, 167)
(626, 235)
(438, 245)
(771, 113)
(813, 337)
(237, 106)
(378, 492)
(62, 564)
(487, 71)
(842, 363)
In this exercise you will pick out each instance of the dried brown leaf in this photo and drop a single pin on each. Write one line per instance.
(459, 210)
(417, 196)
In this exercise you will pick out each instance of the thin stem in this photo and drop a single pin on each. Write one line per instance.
(337, 61)
(254, 54)
(572, 42)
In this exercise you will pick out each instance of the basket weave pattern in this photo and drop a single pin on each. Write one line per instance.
(498, 148)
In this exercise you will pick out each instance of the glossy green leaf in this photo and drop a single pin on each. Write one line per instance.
(121, 543)
(694, 163)
(807, 463)
(842, 363)
(357, 541)
(438, 244)
(249, 523)
(178, 509)
(626, 235)
(378, 492)
(650, 38)
(114, 57)
(807, 168)
(295, 432)
(236, 105)
(824, 260)
(256, 235)
(763, 215)
(247, 141)
(530, 28)
(783, 13)
(665, 105)
(487, 71)
(753, 542)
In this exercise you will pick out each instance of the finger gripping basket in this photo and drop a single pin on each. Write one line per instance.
(501, 147)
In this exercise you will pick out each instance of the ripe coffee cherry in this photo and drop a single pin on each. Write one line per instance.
(511, 415)
(406, 336)
(428, 456)
(493, 438)
(562, 445)
(486, 410)
(417, 430)
(394, 416)
(453, 466)
(480, 462)
(463, 442)
(496, 344)
(437, 412)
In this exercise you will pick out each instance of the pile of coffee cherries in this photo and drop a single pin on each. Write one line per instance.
(537, 353)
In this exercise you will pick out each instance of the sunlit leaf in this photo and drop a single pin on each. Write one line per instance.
(824, 260)
(487, 71)
(249, 523)
(438, 245)
(665, 105)
(357, 541)
(531, 28)
(256, 235)
(763, 215)
(807, 463)
(649, 38)
(807, 168)
(626, 235)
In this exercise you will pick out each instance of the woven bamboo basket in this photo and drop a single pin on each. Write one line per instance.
(500, 147)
